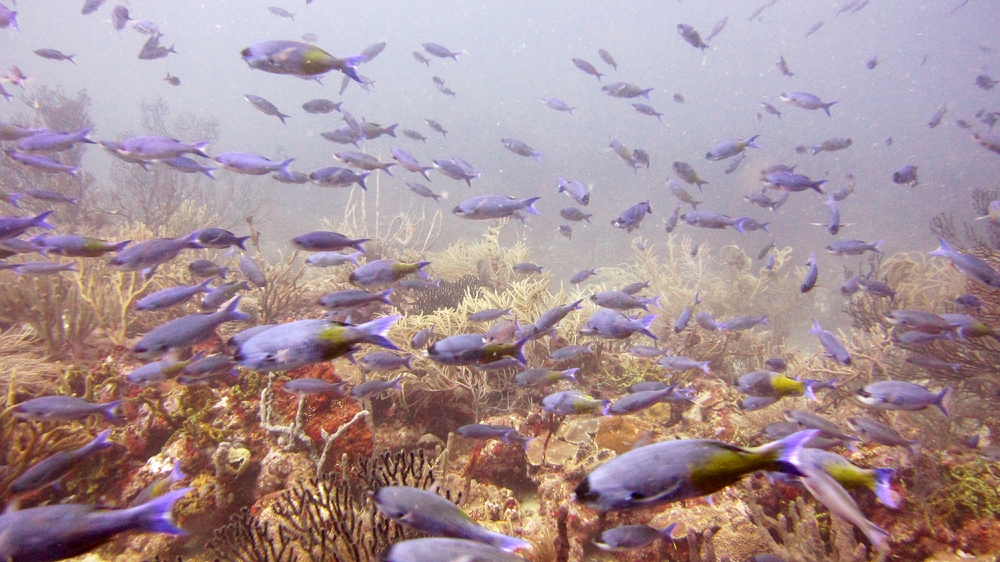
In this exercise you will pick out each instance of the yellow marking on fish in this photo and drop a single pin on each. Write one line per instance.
(728, 465)
(784, 386)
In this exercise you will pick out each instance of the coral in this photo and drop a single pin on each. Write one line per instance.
(231, 461)
(329, 517)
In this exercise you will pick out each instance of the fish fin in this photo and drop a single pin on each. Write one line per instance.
(939, 400)
(199, 148)
(156, 516)
(375, 331)
(883, 487)
(538, 156)
(827, 106)
(570, 374)
(703, 365)
(232, 313)
(519, 350)
(645, 322)
(529, 204)
(384, 295)
(808, 391)
(109, 410)
(789, 451)
(750, 143)
(668, 532)
(508, 544)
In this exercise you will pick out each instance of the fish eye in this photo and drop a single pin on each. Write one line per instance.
(637, 496)
(269, 358)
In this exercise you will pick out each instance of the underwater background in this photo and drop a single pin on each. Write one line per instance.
(282, 475)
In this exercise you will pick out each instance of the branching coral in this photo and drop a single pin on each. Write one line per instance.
(326, 518)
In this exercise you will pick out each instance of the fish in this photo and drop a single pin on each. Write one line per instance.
(489, 314)
(150, 148)
(186, 331)
(159, 487)
(327, 241)
(907, 175)
(688, 174)
(678, 98)
(854, 247)
(172, 296)
(938, 117)
(153, 252)
(770, 109)
(968, 265)
(558, 104)
(685, 317)
(55, 55)
(710, 219)
(526, 268)
(776, 364)
(384, 361)
(985, 82)
(440, 51)
(566, 230)
(51, 469)
(635, 288)
(630, 537)
(832, 145)
(671, 223)
(41, 268)
(446, 550)
(385, 271)
(989, 141)
(647, 110)
(806, 101)
(570, 402)
(901, 395)
(91, 6)
(832, 345)
(771, 384)
(811, 275)
(783, 67)
(872, 62)
(609, 323)
(618, 300)
(408, 162)
(630, 219)
(8, 18)
(875, 432)
(189, 166)
(730, 148)
(539, 377)
(57, 532)
(486, 207)
(553, 316)
(12, 227)
(293, 58)
(575, 191)
(217, 296)
(809, 420)
(968, 301)
(419, 57)
(705, 319)
(305, 342)
(815, 28)
(332, 259)
(77, 246)
(692, 36)
(518, 147)
(640, 156)
(740, 323)
(626, 90)
(159, 371)
(832, 495)
(119, 17)
(607, 58)
(792, 182)
(639, 400)
(206, 268)
(435, 126)
(219, 238)
(363, 161)
(674, 470)
(266, 107)
(320, 106)
(372, 51)
(588, 68)
(472, 349)
(42, 163)
(63, 409)
(717, 29)
(335, 176)
(251, 271)
(571, 352)
(307, 385)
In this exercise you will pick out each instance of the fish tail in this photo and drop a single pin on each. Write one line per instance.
(944, 249)
(827, 106)
(420, 269)
(99, 442)
(668, 531)
(199, 148)
(816, 186)
(738, 224)
(576, 306)
(208, 172)
(652, 301)
(882, 486)
(750, 142)
(176, 475)
(241, 241)
(409, 359)
(763, 226)
(231, 312)
(374, 332)
(703, 365)
(222, 272)
(508, 544)
(816, 329)
(529, 204)
(282, 116)
(156, 516)
(109, 410)
(13, 199)
(119, 246)
(423, 172)
(40, 221)
(384, 295)
(361, 180)
(538, 156)
(877, 247)
(788, 451)
(939, 400)
(644, 323)
(570, 374)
